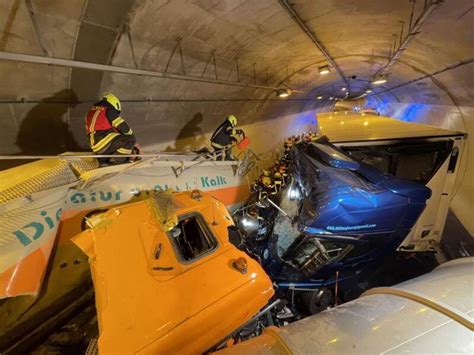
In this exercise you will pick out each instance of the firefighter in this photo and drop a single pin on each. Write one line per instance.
(284, 174)
(252, 212)
(275, 167)
(224, 136)
(108, 132)
(262, 192)
(287, 149)
(264, 185)
(277, 183)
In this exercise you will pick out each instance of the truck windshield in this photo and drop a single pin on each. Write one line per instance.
(330, 156)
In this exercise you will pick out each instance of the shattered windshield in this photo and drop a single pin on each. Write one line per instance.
(319, 177)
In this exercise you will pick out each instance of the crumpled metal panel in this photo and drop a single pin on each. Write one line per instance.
(164, 210)
(390, 324)
(141, 269)
(385, 323)
(27, 234)
(29, 220)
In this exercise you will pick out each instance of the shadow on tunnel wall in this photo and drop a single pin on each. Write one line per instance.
(190, 136)
(44, 130)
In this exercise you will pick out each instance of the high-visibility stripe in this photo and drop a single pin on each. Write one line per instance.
(129, 133)
(104, 141)
(118, 121)
(94, 119)
(217, 145)
(124, 151)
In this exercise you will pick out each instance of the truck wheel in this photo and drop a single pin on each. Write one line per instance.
(317, 301)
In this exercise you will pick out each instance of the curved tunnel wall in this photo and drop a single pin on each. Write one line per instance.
(42, 107)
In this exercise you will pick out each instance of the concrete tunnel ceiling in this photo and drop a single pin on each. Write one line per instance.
(259, 44)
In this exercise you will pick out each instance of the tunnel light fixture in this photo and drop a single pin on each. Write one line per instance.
(331, 98)
(378, 80)
(282, 93)
(368, 91)
(319, 97)
(324, 70)
(344, 88)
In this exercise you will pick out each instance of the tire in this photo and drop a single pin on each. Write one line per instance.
(317, 301)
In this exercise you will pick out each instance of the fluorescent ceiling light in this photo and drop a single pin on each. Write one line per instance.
(283, 92)
(319, 97)
(344, 89)
(368, 91)
(324, 70)
(379, 80)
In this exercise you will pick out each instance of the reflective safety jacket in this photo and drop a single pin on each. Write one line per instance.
(103, 124)
(277, 185)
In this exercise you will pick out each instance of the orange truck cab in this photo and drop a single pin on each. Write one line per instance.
(166, 276)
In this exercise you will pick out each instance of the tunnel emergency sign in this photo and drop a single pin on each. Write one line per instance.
(29, 225)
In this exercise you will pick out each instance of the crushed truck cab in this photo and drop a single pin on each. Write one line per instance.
(165, 275)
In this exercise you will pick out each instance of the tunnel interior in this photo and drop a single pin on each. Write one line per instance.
(181, 67)
(229, 57)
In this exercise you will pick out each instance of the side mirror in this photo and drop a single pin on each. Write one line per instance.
(234, 236)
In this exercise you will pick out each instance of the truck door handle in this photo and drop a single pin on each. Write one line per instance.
(158, 251)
